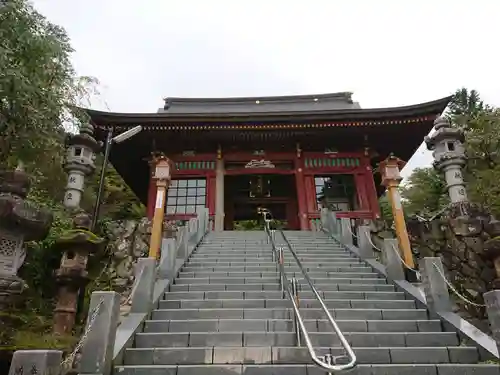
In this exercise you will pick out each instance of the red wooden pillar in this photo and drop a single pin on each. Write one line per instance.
(151, 196)
(211, 194)
(310, 193)
(292, 215)
(301, 193)
(361, 190)
(372, 192)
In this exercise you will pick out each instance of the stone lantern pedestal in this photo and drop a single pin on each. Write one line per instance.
(76, 246)
(20, 221)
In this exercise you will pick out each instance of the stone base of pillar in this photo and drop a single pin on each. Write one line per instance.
(219, 222)
(411, 276)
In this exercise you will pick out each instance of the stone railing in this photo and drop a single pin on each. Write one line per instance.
(316, 219)
(106, 336)
(434, 294)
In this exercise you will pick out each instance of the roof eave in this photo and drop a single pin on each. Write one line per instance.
(432, 107)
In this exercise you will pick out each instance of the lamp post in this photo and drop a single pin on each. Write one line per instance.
(389, 170)
(107, 148)
(163, 169)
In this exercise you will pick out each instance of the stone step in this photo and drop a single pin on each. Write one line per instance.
(287, 313)
(348, 268)
(277, 295)
(195, 263)
(275, 286)
(287, 325)
(268, 258)
(295, 355)
(265, 249)
(248, 274)
(318, 339)
(273, 303)
(270, 280)
(225, 314)
(267, 369)
(268, 254)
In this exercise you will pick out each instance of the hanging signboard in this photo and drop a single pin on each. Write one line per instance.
(259, 164)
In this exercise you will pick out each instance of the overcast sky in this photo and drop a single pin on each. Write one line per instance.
(387, 52)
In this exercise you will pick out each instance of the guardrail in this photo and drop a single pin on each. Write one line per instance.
(432, 295)
(106, 336)
(327, 362)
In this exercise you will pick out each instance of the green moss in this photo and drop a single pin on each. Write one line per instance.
(71, 234)
(34, 340)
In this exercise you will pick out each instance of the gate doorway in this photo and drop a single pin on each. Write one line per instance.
(245, 194)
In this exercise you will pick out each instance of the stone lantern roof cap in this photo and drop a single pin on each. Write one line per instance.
(17, 214)
(444, 131)
(80, 236)
(84, 138)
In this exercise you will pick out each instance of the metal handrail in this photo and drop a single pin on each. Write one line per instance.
(325, 362)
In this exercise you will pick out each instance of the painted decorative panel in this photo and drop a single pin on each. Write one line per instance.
(331, 162)
(193, 165)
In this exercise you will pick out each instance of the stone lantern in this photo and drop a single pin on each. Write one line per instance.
(76, 246)
(80, 162)
(447, 144)
(20, 221)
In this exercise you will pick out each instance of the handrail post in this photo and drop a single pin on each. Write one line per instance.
(281, 262)
(390, 259)
(333, 224)
(97, 349)
(364, 245)
(435, 288)
(295, 292)
(41, 362)
(167, 260)
(492, 301)
(346, 231)
(183, 245)
(145, 277)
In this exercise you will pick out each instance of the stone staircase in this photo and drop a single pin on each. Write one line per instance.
(225, 314)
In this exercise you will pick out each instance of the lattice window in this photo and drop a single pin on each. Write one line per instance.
(186, 196)
(337, 192)
(8, 246)
(9, 255)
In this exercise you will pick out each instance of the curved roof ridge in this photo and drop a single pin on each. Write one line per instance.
(346, 95)
(300, 103)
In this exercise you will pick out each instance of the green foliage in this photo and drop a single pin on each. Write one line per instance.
(464, 106)
(385, 209)
(118, 201)
(39, 93)
(38, 85)
(26, 329)
(248, 225)
(424, 193)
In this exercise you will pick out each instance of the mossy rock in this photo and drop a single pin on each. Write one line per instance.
(79, 237)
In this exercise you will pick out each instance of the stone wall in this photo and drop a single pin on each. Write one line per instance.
(458, 236)
(128, 241)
